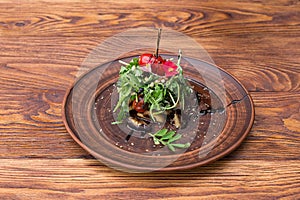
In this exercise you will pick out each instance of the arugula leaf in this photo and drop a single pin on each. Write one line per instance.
(182, 146)
(161, 132)
(171, 147)
(173, 139)
(123, 70)
(166, 137)
(156, 141)
(169, 135)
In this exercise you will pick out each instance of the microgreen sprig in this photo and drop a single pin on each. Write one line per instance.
(166, 137)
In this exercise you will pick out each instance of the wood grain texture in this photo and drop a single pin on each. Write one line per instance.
(87, 179)
(105, 17)
(263, 65)
(43, 44)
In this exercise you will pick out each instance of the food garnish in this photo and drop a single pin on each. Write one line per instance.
(153, 90)
(168, 138)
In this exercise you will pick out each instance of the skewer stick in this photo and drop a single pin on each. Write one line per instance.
(157, 42)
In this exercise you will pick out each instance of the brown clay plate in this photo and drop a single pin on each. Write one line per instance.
(223, 119)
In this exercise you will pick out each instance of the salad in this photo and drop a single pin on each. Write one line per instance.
(153, 90)
(150, 86)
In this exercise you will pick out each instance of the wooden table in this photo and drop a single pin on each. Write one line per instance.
(42, 46)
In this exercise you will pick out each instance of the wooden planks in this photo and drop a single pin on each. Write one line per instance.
(103, 18)
(261, 65)
(43, 44)
(86, 179)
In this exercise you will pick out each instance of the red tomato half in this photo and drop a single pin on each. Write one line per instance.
(148, 58)
(139, 106)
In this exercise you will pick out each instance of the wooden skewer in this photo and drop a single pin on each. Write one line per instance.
(157, 42)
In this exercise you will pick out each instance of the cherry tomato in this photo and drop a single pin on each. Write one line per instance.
(159, 60)
(156, 63)
(158, 69)
(148, 58)
(139, 106)
(144, 59)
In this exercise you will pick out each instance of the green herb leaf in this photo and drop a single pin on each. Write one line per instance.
(163, 142)
(171, 147)
(162, 135)
(176, 137)
(117, 122)
(168, 136)
(123, 70)
(156, 141)
(182, 146)
(161, 132)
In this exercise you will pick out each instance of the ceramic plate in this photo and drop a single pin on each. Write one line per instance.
(223, 119)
